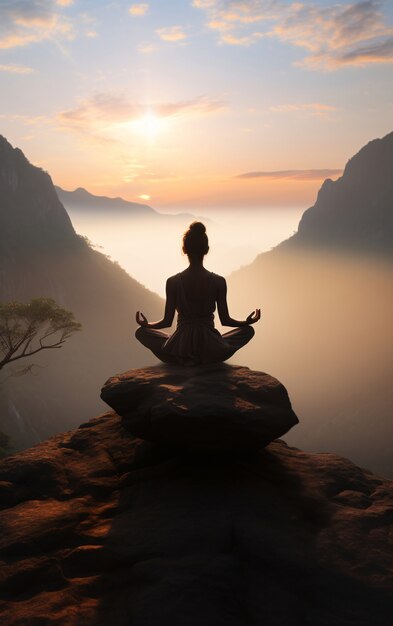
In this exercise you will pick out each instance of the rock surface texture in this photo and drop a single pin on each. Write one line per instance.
(219, 407)
(100, 528)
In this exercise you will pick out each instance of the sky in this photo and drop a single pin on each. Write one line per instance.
(195, 103)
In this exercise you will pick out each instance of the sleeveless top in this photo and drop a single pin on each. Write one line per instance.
(195, 340)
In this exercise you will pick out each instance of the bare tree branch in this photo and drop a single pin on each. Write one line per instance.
(23, 324)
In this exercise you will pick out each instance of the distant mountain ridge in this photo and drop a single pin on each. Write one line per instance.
(354, 212)
(81, 199)
(41, 255)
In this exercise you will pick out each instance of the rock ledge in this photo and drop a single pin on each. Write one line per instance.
(216, 407)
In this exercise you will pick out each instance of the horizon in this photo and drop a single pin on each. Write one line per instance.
(198, 104)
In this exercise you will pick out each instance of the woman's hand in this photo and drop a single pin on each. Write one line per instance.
(141, 319)
(254, 317)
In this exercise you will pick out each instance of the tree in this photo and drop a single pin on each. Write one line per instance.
(26, 329)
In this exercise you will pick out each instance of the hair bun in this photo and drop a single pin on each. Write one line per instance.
(195, 240)
(197, 227)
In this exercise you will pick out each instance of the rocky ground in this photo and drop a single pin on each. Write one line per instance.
(100, 528)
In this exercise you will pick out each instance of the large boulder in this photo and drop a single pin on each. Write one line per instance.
(215, 407)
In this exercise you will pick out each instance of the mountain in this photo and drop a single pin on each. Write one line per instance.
(354, 212)
(41, 255)
(98, 528)
(82, 200)
(326, 297)
(31, 215)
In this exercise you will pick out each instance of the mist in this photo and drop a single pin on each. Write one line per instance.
(149, 248)
(326, 329)
(326, 333)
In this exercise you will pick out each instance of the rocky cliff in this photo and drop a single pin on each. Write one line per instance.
(354, 212)
(41, 255)
(31, 215)
(327, 301)
(99, 527)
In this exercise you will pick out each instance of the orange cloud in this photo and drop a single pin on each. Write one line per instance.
(301, 175)
(354, 34)
(332, 36)
(378, 52)
(246, 40)
(147, 48)
(316, 109)
(172, 34)
(22, 23)
(16, 69)
(315, 106)
(100, 112)
(138, 9)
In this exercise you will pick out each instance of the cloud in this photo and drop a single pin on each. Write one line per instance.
(377, 52)
(245, 40)
(30, 21)
(138, 9)
(233, 21)
(88, 25)
(172, 34)
(27, 120)
(16, 69)
(198, 106)
(339, 35)
(101, 113)
(146, 47)
(237, 12)
(293, 174)
(332, 36)
(96, 111)
(64, 3)
(315, 106)
(316, 109)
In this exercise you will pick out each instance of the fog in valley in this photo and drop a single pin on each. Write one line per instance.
(149, 248)
(326, 329)
(327, 334)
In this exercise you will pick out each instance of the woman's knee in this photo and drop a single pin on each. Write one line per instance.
(139, 333)
(250, 332)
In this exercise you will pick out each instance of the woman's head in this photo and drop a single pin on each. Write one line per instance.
(195, 241)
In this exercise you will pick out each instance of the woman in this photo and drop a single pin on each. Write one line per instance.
(194, 294)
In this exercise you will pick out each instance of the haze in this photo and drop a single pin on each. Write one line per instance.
(326, 327)
(150, 249)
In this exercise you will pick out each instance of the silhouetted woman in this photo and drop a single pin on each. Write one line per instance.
(194, 294)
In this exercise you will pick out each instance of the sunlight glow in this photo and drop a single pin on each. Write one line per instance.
(150, 125)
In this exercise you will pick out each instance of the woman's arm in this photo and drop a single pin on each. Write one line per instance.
(222, 306)
(169, 312)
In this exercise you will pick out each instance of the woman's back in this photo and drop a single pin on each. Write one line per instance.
(196, 296)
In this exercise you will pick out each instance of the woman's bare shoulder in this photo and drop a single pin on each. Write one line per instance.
(172, 281)
(219, 280)
(173, 278)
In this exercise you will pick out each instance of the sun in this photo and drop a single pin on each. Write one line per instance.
(150, 125)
